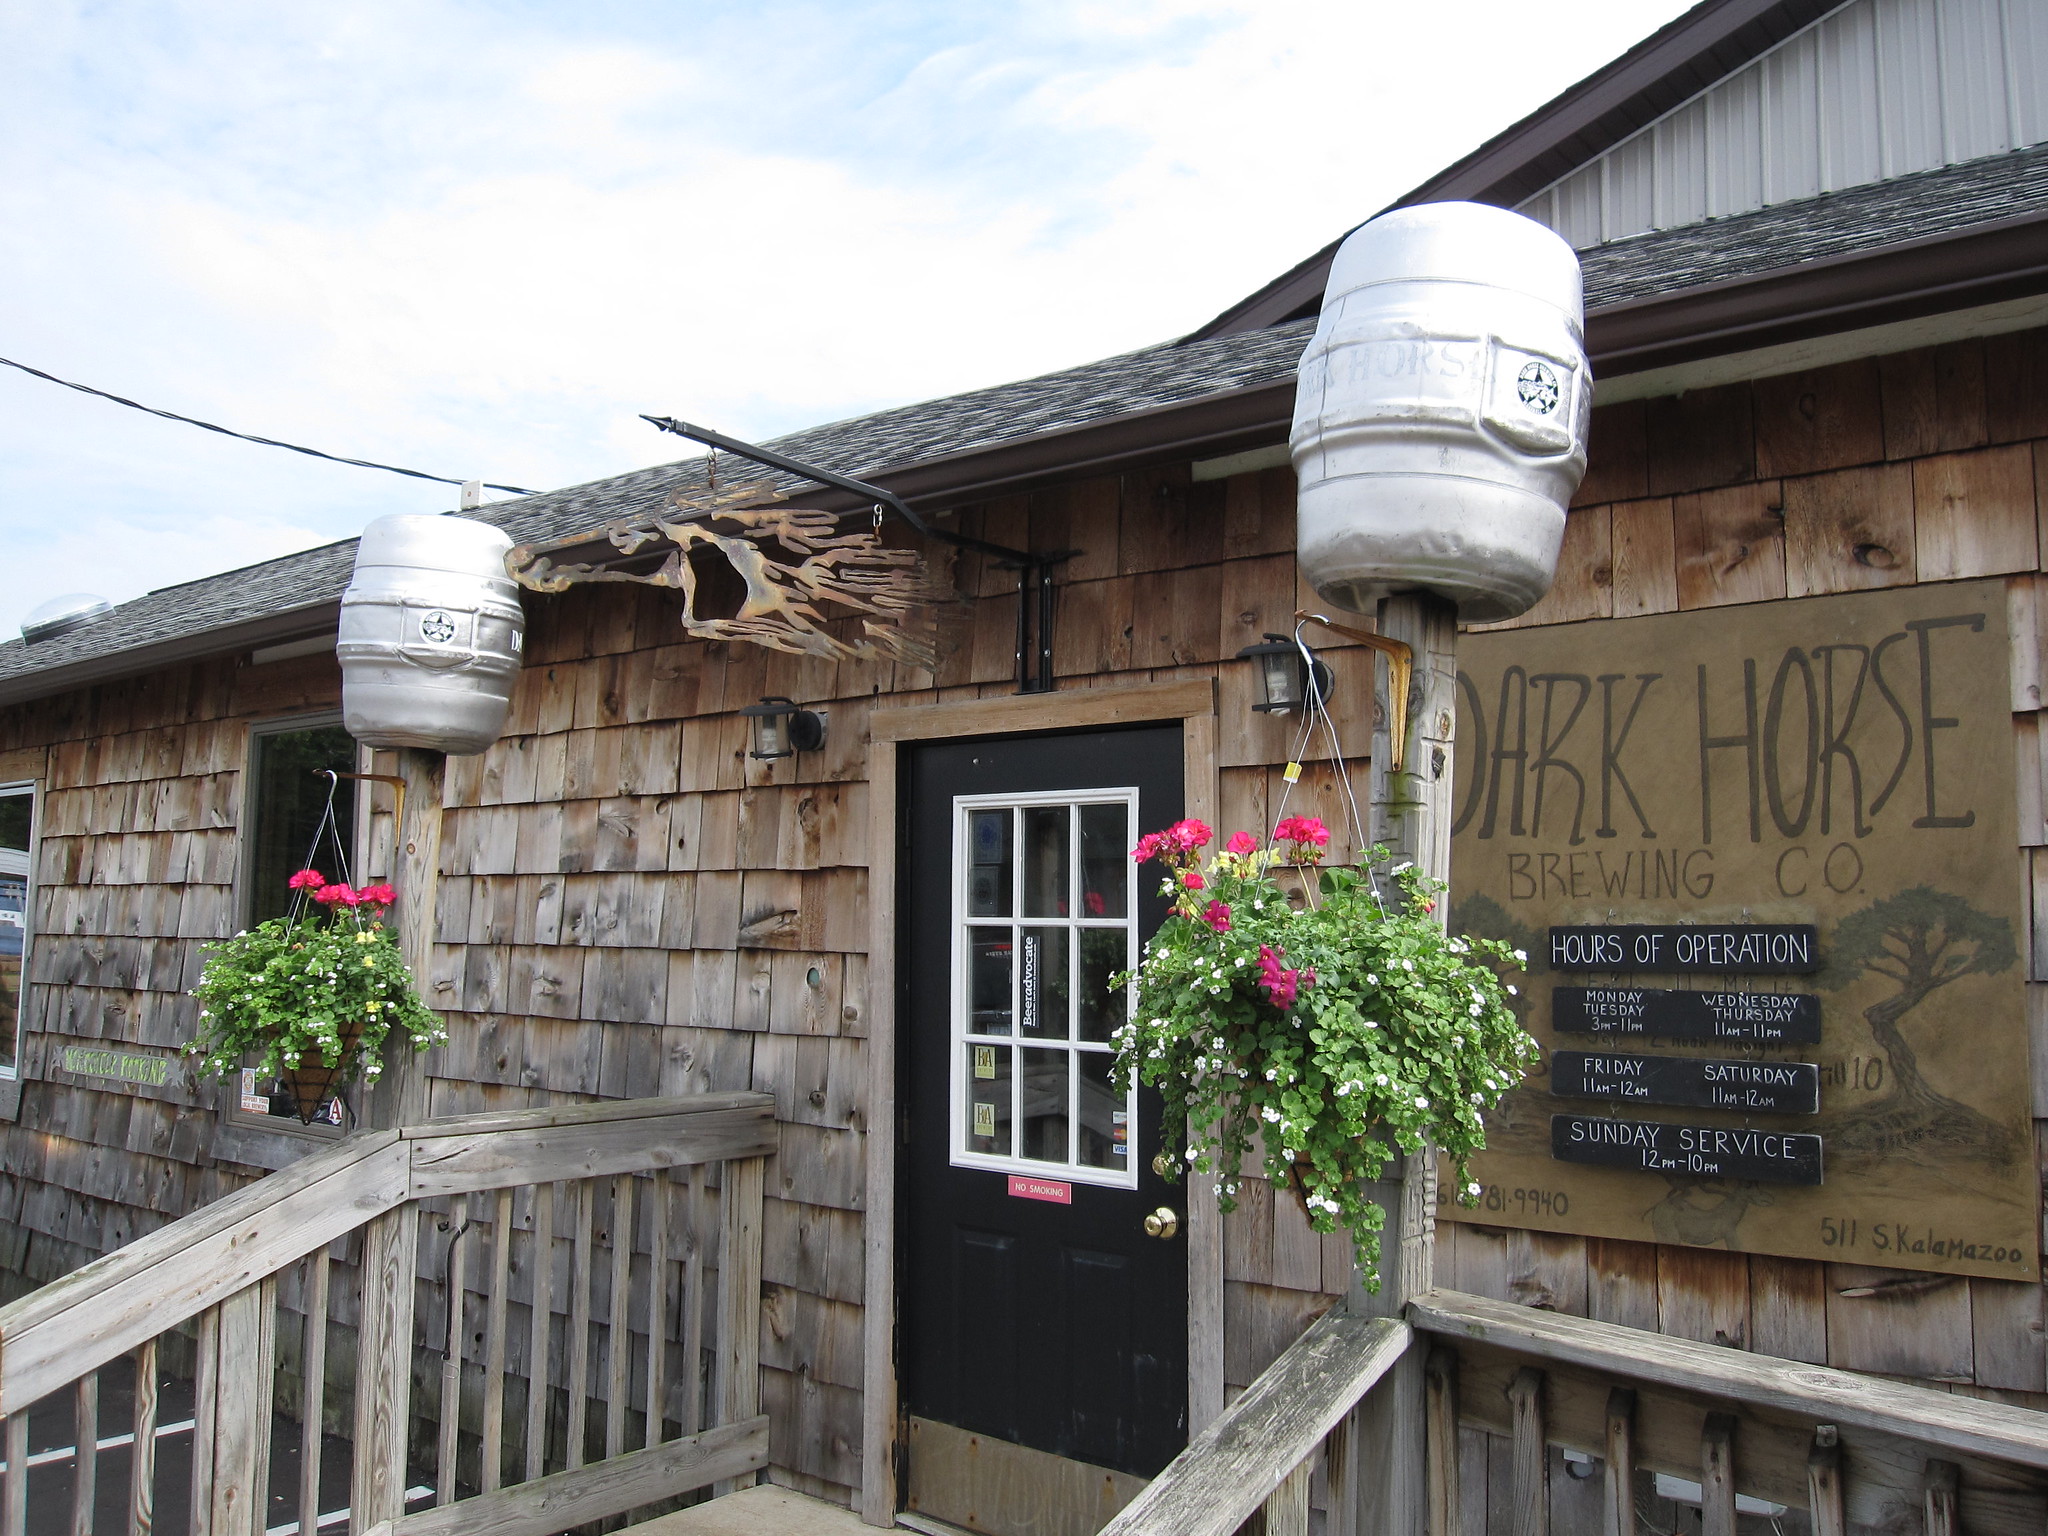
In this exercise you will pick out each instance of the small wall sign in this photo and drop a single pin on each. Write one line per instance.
(148, 1071)
(1769, 1087)
(1691, 1151)
(1748, 1018)
(1024, 1187)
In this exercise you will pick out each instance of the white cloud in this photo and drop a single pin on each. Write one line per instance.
(478, 239)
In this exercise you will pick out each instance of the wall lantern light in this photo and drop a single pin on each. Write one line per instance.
(781, 729)
(1285, 674)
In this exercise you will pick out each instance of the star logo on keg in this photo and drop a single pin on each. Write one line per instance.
(1537, 387)
(438, 627)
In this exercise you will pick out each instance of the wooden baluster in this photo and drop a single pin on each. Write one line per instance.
(618, 1319)
(384, 1368)
(1440, 1405)
(1717, 1475)
(206, 1365)
(658, 1196)
(543, 1266)
(1531, 1516)
(1943, 1488)
(491, 1453)
(1340, 1472)
(14, 1513)
(579, 1324)
(693, 1307)
(1287, 1506)
(455, 1285)
(245, 1375)
(142, 1458)
(1618, 1512)
(312, 1390)
(85, 1435)
(1824, 1483)
(739, 1299)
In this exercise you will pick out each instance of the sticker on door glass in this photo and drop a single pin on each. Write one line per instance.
(985, 1066)
(985, 1113)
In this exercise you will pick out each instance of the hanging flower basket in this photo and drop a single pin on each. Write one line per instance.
(313, 996)
(1324, 1011)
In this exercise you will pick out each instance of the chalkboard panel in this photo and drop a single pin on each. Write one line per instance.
(1689, 1151)
(1755, 949)
(1749, 1018)
(1764, 1087)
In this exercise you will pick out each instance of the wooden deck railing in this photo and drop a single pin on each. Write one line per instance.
(628, 1233)
(1854, 1452)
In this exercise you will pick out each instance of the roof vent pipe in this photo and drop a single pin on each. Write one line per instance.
(1440, 411)
(430, 634)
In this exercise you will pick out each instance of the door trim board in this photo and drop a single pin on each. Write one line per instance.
(1192, 702)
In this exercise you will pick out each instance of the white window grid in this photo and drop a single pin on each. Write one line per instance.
(965, 926)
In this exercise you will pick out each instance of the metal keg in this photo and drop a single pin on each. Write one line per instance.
(430, 633)
(1440, 412)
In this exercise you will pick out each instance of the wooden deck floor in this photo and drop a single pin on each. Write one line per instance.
(763, 1511)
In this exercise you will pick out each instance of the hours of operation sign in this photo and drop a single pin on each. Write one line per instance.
(1763, 861)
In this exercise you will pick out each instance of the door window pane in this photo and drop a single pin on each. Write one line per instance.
(16, 817)
(1100, 1008)
(1104, 1101)
(988, 1099)
(1105, 860)
(1045, 861)
(988, 863)
(1044, 1107)
(988, 983)
(1042, 984)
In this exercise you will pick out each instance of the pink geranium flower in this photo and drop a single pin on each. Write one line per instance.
(307, 880)
(380, 895)
(1280, 984)
(1189, 834)
(1242, 843)
(1305, 836)
(1193, 880)
(338, 896)
(1217, 916)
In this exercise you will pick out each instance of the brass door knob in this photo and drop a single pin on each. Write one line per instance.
(1163, 1224)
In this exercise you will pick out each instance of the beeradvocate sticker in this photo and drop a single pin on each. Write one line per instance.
(1692, 1151)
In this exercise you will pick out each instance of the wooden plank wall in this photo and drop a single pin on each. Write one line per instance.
(630, 906)
(136, 867)
(1923, 466)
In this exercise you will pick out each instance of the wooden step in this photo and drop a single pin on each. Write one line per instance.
(762, 1511)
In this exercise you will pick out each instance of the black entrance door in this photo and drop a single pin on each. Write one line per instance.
(1035, 1307)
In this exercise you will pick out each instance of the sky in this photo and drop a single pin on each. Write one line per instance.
(478, 239)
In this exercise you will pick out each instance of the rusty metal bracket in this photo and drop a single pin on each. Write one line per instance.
(397, 788)
(1400, 670)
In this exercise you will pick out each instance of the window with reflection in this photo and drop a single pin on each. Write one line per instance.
(17, 846)
(1045, 903)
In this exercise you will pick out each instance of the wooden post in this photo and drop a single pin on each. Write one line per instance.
(399, 1097)
(1440, 1374)
(1824, 1482)
(1531, 1450)
(739, 1297)
(1411, 813)
(1943, 1486)
(384, 1367)
(1618, 1514)
(1717, 1475)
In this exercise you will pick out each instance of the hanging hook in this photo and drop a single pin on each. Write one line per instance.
(1400, 671)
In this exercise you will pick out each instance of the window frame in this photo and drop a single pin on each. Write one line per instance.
(32, 789)
(247, 1132)
(960, 1038)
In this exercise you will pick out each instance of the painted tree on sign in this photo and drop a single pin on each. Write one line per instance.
(1920, 941)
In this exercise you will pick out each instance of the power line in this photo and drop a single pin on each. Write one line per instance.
(267, 442)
